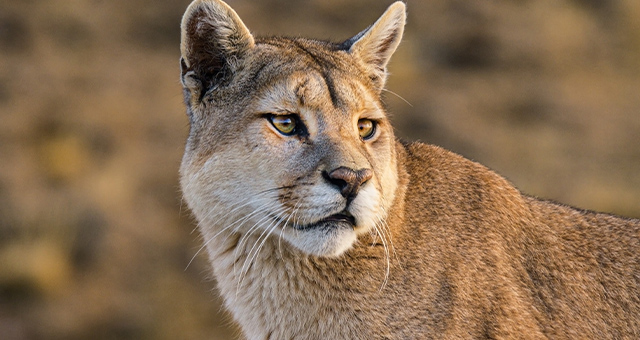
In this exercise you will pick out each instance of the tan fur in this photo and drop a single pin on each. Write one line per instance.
(438, 247)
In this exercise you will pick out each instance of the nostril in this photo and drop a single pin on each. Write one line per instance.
(338, 182)
(365, 175)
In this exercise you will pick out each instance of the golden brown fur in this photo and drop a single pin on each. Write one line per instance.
(421, 244)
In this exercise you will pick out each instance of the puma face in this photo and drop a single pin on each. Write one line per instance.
(308, 158)
(288, 139)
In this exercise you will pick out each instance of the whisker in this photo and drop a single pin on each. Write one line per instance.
(390, 239)
(259, 210)
(386, 255)
(273, 221)
(241, 220)
(249, 257)
(244, 239)
(291, 217)
(397, 95)
(278, 188)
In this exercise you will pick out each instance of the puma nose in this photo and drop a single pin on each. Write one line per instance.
(348, 180)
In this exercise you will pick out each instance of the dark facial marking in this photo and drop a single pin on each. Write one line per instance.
(323, 65)
(257, 73)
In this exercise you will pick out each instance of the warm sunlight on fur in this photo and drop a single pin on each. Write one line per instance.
(318, 223)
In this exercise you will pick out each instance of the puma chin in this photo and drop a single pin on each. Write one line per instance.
(334, 234)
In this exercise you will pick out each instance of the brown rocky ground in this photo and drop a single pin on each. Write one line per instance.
(94, 241)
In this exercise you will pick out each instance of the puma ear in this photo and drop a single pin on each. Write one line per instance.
(375, 45)
(213, 37)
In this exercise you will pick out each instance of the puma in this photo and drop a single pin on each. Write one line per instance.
(320, 224)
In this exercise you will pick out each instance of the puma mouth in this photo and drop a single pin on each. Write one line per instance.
(342, 219)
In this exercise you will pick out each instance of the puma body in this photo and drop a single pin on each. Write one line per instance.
(319, 224)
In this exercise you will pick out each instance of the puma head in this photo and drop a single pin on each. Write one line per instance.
(288, 136)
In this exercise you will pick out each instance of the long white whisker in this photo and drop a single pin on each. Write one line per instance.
(273, 221)
(386, 255)
(241, 221)
(290, 218)
(397, 95)
(249, 257)
(261, 209)
(385, 227)
(251, 201)
(245, 237)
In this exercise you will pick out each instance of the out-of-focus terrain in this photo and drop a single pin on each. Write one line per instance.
(94, 240)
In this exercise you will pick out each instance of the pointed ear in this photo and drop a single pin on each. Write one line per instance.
(375, 45)
(213, 37)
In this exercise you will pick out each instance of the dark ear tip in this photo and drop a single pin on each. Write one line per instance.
(346, 45)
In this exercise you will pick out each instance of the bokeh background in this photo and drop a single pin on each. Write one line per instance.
(95, 242)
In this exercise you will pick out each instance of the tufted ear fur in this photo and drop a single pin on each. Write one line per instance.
(213, 38)
(375, 45)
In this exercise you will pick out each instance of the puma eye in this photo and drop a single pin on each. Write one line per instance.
(285, 124)
(366, 128)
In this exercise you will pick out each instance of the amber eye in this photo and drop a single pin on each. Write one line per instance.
(285, 124)
(366, 128)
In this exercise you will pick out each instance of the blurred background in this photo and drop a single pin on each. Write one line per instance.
(94, 239)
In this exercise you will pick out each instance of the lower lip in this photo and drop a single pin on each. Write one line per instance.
(335, 218)
(334, 221)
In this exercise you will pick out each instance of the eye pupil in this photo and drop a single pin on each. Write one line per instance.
(366, 128)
